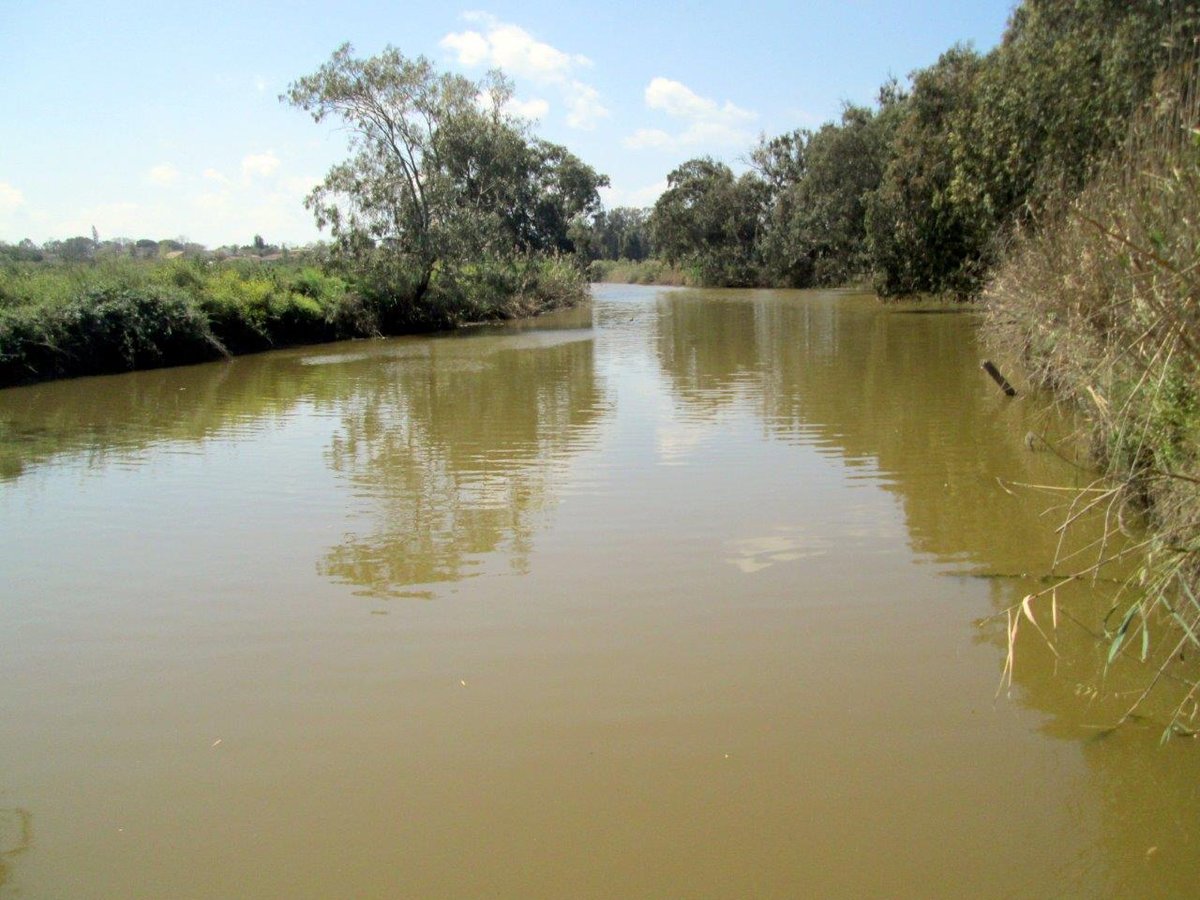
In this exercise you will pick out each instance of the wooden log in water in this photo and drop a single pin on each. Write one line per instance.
(991, 369)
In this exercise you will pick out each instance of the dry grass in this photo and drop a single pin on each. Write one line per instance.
(1103, 305)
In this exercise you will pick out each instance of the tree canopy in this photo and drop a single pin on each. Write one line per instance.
(440, 175)
(710, 219)
(922, 190)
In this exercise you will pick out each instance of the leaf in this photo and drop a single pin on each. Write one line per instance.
(1026, 609)
(1187, 590)
(1187, 629)
(1119, 639)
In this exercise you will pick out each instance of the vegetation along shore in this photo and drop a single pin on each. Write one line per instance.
(448, 211)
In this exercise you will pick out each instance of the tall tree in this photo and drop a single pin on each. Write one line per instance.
(710, 219)
(819, 183)
(440, 174)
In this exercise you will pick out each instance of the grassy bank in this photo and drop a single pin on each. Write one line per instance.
(645, 271)
(1103, 304)
(80, 319)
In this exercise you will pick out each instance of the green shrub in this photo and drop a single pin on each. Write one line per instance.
(103, 330)
(118, 314)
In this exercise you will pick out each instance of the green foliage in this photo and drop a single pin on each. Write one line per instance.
(918, 240)
(645, 271)
(924, 190)
(104, 330)
(504, 289)
(819, 186)
(437, 181)
(621, 233)
(59, 320)
(24, 251)
(709, 219)
(987, 143)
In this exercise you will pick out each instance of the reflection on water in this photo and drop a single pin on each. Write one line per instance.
(897, 392)
(453, 451)
(16, 836)
(731, 552)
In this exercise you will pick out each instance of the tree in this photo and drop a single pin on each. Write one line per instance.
(619, 233)
(819, 183)
(144, 248)
(77, 249)
(711, 219)
(440, 175)
(919, 238)
(988, 142)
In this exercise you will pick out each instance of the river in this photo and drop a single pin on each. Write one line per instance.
(682, 593)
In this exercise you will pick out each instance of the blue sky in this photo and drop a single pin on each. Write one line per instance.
(161, 120)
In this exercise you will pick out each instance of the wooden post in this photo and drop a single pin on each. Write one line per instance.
(1008, 389)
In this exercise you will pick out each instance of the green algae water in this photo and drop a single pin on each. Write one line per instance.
(683, 593)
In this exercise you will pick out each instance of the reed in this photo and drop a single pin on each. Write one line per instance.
(645, 271)
(1102, 302)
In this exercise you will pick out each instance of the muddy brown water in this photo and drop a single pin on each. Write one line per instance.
(677, 594)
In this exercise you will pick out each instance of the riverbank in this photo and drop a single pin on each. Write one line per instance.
(643, 271)
(1102, 306)
(66, 320)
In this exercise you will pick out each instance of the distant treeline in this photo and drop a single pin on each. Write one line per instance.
(91, 249)
(920, 191)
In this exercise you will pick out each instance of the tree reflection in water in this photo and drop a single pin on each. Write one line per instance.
(454, 453)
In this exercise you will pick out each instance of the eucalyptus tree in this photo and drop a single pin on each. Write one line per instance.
(710, 219)
(619, 233)
(919, 238)
(990, 142)
(440, 175)
(818, 185)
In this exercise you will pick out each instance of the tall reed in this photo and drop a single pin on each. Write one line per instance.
(1103, 304)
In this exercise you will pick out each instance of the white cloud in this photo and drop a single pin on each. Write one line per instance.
(271, 207)
(212, 200)
(521, 55)
(470, 47)
(640, 197)
(301, 185)
(163, 174)
(527, 109)
(512, 49)
(260, 164)
(10, 197)
(110, 218)
(213, 206)
(586, 110)
(705, 122)
(654, 138)
(676, 99)
(214, 213)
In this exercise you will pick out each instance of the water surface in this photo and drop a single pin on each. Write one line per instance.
(678, 594)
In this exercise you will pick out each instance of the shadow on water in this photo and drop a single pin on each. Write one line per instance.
(97, 420)
(902, 397)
